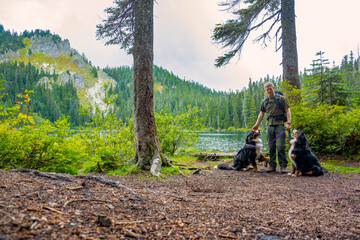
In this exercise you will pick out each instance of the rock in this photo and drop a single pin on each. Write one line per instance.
(9, 55)
(79, 62)
(47, 81)
(63, 79)
(103, 221)
(46, 46)
(79, 81)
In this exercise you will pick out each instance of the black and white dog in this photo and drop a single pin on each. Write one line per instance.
(303, 160)
(247, 155)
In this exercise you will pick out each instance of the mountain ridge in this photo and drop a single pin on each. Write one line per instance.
(56, 55)
(61, 65)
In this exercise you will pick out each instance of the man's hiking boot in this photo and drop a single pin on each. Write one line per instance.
(270, 169)
(283, 170)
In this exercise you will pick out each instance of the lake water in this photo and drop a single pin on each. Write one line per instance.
(225, 141)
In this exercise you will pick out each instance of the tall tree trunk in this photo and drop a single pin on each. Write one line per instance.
(289, 48)
(146, 137)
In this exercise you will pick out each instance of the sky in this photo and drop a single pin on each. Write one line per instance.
(182, 36)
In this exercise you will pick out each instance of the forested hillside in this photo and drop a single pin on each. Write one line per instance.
(218, 110)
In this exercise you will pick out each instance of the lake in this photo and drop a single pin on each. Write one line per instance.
(225, 141)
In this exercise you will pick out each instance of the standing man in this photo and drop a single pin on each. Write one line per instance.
(277, 108)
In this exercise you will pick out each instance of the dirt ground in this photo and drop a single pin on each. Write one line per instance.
(214, 204)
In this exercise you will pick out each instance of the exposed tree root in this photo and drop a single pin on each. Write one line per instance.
(84, 200)
(62, 177)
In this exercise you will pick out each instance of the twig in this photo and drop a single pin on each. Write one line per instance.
(128, 223)
(226, 236)
(52, 209)
(132, 234)
(84, 200)
(166, 195)
(7, 214)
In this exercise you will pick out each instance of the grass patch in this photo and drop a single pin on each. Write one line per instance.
(340, 169)
(126, 169)
(170, 170)
(184, 158)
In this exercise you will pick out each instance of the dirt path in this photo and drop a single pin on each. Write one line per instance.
(216, 205)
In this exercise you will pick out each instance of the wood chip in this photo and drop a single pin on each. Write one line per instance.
(132, 234)
(52, 209)
(128, 223)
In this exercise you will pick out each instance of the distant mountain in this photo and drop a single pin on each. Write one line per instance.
(48, 53)
(66, 84)
(53, 68)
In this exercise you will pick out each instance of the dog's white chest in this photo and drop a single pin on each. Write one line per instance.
(259, 146)
(291, 156)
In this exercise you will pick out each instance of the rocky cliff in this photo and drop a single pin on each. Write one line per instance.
(57, 56)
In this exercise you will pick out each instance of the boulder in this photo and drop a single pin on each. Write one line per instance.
(63, 79)
(79, 81)
(47, 81)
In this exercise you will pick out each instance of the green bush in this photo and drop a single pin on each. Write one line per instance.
(108, 142)
(45, 147)
(330, 129)
(177, 132)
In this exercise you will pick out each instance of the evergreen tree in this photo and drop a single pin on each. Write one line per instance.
(130, 24)
(234, 33)
(325, 85)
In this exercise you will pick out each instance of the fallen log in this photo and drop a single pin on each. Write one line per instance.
(216, 156)
(213, 156)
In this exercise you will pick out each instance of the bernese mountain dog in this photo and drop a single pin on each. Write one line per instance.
(303, 160)
(247, 155)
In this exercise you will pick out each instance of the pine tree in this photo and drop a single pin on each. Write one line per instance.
(314, 82)
(130, 24)
(234, 33)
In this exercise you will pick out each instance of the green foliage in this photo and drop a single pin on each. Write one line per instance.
(125, 169)
(179, 131)
(170, 170)
(106, 139)
(332, 129)
(108, 142)
(94, 72)
(45, 147)
(324, 85)
(119, 26)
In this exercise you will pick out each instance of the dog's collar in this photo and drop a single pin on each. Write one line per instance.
(249, 145)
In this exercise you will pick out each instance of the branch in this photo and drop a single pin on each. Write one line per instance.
(278, 39)
(267, 33)
(60, 177)
(267, 19)
(83, 200)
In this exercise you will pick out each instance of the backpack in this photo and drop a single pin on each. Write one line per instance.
(277, 97)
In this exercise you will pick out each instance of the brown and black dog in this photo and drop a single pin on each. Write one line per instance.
(247, 155)
(303, 160)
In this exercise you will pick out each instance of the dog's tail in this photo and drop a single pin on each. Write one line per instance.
(224, 166)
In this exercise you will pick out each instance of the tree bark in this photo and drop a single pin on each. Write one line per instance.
(146, 137)
(289, 48)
